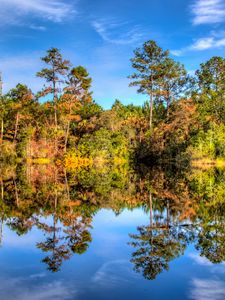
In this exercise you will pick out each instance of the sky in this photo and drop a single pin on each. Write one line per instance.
(101, 35)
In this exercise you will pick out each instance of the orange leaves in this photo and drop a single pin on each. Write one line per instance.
(48, 105)
(75, 118)
(176, 130)
(70, 105)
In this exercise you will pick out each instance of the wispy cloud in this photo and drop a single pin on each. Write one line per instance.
(54, 10)
(207, 289)
(116, 32)
(200, 260)
(208, 12)
(36, 27)
(205, 43)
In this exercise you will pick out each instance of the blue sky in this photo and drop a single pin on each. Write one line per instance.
(101, 35)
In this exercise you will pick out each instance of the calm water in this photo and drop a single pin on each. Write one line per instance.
(112, 234)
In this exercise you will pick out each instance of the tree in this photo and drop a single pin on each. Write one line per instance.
(148, 61)
(79, 82)
(210, 94)
(58, 68)
(20, 99)
(76, 94)
(172, 82)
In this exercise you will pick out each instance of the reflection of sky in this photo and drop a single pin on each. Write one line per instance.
(104, 271)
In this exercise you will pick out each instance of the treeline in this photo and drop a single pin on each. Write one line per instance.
(183, 116)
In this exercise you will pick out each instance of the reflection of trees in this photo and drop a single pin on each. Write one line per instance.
(21, 225)
(156, 245)
(172, 199)
(52, 244)
(209, 187)
(27, 202)
(76, 231)
(63, 242)
(211, 234)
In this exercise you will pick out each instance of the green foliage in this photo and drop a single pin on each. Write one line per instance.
(103, 145)
(209, 143)
(210, 94)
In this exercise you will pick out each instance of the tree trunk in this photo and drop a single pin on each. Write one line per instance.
(55, 103)
(55, 113)
(2, 130)
(66, 136)
(67, 185)
(16, 193)
(150, 207)
(168, 102)
(168, 214)
(2, 190)
(16, 127)
(55, 116)
(151, 105)
(151, 110)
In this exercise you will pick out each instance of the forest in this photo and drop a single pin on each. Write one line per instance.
(65, 158)
(182, 120)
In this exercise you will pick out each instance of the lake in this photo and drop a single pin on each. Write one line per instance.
(112, 233)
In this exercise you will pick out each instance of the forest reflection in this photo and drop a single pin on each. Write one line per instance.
(184, 207)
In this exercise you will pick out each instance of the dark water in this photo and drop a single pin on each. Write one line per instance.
(112, 234)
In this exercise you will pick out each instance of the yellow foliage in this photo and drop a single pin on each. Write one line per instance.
(39, 161)
(73, 162)
(206, 163)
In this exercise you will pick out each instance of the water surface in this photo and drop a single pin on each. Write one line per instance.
(112, 235)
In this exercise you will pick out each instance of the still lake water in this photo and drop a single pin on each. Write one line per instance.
(155, 236)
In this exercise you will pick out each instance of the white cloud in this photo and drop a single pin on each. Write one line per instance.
(207, 289)
(176, 52)
(200, 260)
(116, 32)
(37, 27)
(208, 12)
(201, 44)
(53, 10)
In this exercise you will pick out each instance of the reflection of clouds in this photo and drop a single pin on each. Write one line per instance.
(38, 275)
(206, 289)
(113, 273)
(203, 261)
(22, 289)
